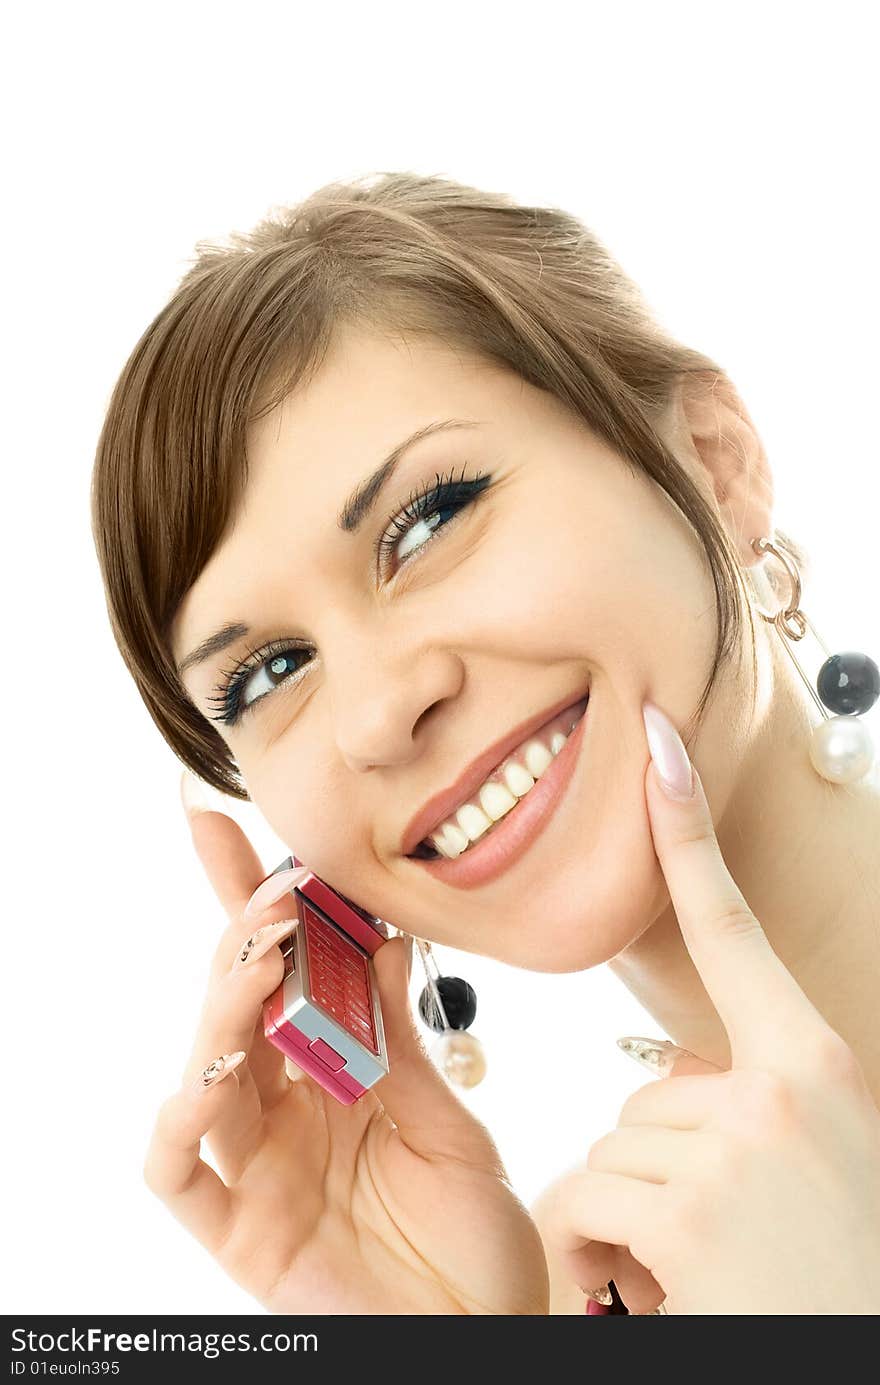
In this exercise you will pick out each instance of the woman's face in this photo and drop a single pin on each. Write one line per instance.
(565, 573)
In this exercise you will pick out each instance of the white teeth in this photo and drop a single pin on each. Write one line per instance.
(537, 758)
(473, 821)
(496, 800)
(451, 842)
(457, 838)
(518, 779)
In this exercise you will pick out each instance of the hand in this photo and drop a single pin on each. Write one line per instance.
(398, 1204)
(749, 1191)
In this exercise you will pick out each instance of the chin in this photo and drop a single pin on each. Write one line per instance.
(581, 940)
(584, 897)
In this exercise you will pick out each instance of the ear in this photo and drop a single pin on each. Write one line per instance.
(710, 431)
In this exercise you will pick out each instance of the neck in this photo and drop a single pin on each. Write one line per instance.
(805, 854)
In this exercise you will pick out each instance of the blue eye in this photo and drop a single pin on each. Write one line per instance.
(426, 515)
(261, 667)
(422, 516)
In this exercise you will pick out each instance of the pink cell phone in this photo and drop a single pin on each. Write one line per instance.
(326, 1015)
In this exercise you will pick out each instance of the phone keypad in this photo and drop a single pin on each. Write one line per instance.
(340, 981)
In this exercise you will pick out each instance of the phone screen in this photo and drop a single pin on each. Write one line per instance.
(339, 978)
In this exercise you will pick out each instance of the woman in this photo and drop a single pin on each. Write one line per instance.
(424, 461)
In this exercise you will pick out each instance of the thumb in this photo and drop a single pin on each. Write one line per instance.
(429, 1116)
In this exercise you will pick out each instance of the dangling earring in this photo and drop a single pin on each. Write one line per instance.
(841, 748)
(448, 1006)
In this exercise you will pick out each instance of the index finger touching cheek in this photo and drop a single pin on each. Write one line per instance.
(756, 997)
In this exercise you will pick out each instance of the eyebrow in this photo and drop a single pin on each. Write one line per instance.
(355, 510)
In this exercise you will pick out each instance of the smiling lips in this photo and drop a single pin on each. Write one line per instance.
(492, 785)
(505, 786)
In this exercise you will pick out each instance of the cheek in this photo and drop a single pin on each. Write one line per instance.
(523, 591)
(604, 903)
(610, 579)
(297, 803)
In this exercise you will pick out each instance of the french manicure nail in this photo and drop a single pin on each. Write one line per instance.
(601, 1295)
(192, 794)
(656, 1054)
(668, 752)
(260, 942)
(220, 1068)
(272, 889)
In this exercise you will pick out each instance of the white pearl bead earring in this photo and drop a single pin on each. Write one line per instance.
(841, 748)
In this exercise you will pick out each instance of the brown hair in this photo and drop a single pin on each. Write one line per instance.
(529, 287)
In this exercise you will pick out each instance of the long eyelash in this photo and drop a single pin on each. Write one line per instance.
(443, 492)
(227, 691)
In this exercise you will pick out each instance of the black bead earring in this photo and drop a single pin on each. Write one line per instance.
(448, 1006)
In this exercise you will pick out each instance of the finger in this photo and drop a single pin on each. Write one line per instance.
(596, 1263)
(415, 1094)
(173, 1168)
(231, 1019)
(591, 1266)
(272, 1070)
(266, 1064)
(689, 1065)
(679, 1103)
(231, 864)
(653, 1153)
(233, 1004)
(587, 1206)
(234, 870)
(636, 1285)
(755, 996)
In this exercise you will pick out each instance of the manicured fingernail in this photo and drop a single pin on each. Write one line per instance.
(656, 1054)
(668, 752)
(601, 1295)
(259, 943)
(272, 889)
(197, 796)
(216, 1071)
(192, 794)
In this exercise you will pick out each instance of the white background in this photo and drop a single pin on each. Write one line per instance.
(727, 156)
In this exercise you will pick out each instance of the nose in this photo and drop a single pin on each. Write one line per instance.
(379, 705)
